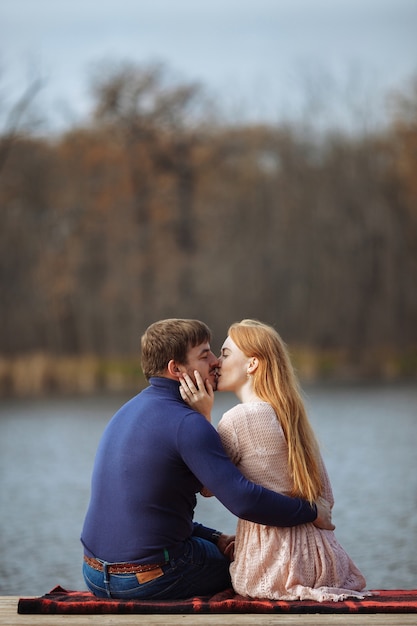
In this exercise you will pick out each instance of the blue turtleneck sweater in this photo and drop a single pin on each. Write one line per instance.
(154, 456)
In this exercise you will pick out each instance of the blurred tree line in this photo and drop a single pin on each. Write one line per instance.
(156, 207)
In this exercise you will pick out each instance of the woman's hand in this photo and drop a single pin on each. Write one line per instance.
(198, 395)
(324, 515)
(226, 545)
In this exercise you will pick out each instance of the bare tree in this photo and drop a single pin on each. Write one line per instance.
(15, 120)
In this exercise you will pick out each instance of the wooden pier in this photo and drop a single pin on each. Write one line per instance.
(10, 617)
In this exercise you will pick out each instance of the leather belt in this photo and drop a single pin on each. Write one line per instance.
(122, 568)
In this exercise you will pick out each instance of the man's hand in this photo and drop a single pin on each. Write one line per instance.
(199, 396)
(324, 515)
(226, 545)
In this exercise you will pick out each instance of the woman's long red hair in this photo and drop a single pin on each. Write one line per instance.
(274, 381)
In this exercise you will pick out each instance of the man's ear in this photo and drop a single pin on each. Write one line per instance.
(174, 369)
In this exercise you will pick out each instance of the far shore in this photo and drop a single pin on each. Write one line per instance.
(39, 374)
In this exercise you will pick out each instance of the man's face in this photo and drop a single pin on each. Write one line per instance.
(202, 359)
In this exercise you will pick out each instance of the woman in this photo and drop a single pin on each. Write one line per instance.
(268, 436)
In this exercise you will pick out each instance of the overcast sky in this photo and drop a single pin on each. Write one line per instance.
(255, 55)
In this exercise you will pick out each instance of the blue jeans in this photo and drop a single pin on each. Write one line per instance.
(201, 570)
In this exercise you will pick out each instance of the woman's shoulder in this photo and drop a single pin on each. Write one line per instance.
(247, 409)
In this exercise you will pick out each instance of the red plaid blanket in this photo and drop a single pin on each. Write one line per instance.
(83, 602)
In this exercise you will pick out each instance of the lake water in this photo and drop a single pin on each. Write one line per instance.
(369, 442)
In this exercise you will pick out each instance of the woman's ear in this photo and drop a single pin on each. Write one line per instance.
(173, 369)
(253, 365)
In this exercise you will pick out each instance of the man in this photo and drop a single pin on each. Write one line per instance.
(156, 453)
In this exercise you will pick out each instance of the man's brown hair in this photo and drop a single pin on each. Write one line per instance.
(170, 339)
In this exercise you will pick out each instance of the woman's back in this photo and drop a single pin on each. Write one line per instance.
(302, 562)
(255, 441)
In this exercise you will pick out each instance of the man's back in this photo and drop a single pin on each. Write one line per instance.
(143, 494)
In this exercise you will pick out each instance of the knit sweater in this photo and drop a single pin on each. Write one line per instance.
(299, 563)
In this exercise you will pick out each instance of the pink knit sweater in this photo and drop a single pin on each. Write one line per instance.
(303, 562)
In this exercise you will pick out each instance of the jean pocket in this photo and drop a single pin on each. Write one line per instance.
(145, 577)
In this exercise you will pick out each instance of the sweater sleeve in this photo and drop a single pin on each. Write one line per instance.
(202, 451)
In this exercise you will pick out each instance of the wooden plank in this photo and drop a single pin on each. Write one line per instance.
(10, 617)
